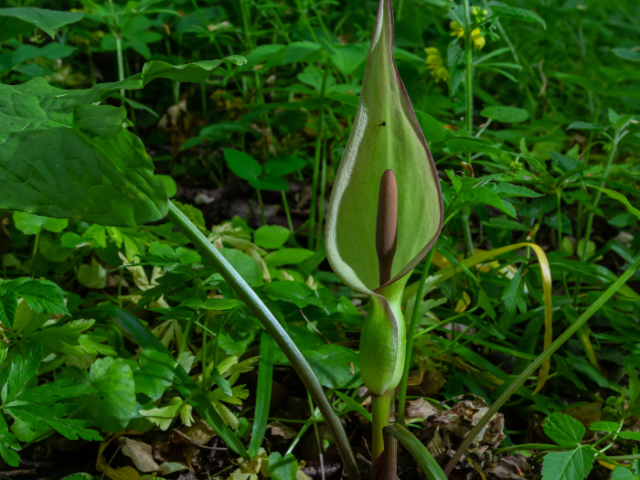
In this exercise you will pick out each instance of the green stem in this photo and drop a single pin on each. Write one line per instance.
(264, 220)
(592, 212)
(527, 372)
(380, 411)
(468, 61)
(316, 161)
(273, 327)
(34, 254)
(317, 434)
(410, 336)
(285, 204)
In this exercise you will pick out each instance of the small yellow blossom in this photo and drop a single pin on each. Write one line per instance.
(436, 65)
(442, 74)
(458, 31)
(477, 39)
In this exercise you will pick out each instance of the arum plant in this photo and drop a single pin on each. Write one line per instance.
(385, 214)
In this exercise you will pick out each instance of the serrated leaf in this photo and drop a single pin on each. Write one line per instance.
(22, 369)
(8, 444)
(572, 465)
(517, 13)
(8, 307)
(604, 427)
(42, 296)
(622, 473)
(155, 374)
(563, 429)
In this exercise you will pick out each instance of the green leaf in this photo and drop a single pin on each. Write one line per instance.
(17, 21)
(282, 468)
(298, 293)
(42, 296)
(501, 10)
(630, 436)
(92, 276)
(244, 265)
(622, 199)
(22, 370)
(622, 473)
(183, 382)
(505, 114)
(52, 143)
(564, 429)
(263, 393)
(332, 364)
(242, 164)
(271, 236)
(32, 224)
(512, 295)
(506, 190)
(627, 54)
(8, 307)
(604, 427)
(287, 256)
(432, 129)
(297, 51)
(585, 126)
(572, 465)
(385, 136)
(284, 165)
(115, 400)
(8, 444)
(43, 417)
(155, 374)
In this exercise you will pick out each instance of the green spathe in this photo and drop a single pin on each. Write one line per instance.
(385, 136)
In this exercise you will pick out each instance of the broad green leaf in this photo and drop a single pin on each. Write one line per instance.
(92, 276)
(431, 128)
(22, 369)
(564, 429)
(244, 265)
(572, 465)
(115, 400)
(505, 114)
(287, 256)
(155, 374)
(298, 293)
(242, 164)
(42, 296)
(502, 10)
(17, 21)
(296, 51)
(30, 224)
(621, 198)
(385, 136)
(283, 165)
(63, 156)
(622, 473)
(332, 365)
(282, 468)
(271, 236)
(630, 436)
(627, 54)
(604, 427)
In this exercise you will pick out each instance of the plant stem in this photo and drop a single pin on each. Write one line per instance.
(211, 255)
(316, 160)
(34, 254)
(527, 372)
(317, 434)
(410, 336)
(468, 61)
(592, 213)
(264, 220)
(285, 204)
(380, 411)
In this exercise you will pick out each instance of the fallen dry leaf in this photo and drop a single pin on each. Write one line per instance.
(141, 454)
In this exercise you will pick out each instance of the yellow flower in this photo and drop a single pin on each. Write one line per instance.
(442, 74)
(458, 31)
(477, 38)
(434, 59)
